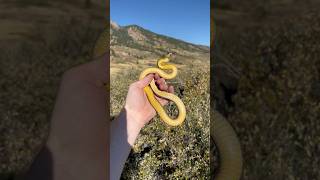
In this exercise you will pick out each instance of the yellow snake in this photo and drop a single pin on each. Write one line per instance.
(101, 48)
(152, 88)
(225, 138)
(102, 44)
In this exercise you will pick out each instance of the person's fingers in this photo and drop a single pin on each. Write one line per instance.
(170, 89)
(163, 87)
(156, 76)
(145, 81)
(162, 84)
(161, 81)
(163, 101)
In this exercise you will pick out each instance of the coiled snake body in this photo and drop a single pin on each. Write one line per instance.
(163, 65)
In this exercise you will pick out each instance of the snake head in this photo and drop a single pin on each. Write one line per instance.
(170, 54)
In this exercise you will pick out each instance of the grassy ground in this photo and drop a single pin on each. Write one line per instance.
(163, 152)
(276, 107)
(31, 65)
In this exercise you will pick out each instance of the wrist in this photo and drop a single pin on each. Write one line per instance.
(134, 125)
(135, 117)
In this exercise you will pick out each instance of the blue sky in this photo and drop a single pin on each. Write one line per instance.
(188, 20)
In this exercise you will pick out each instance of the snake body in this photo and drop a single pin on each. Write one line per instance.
(152, 88)
(102, 44)
(225, 138)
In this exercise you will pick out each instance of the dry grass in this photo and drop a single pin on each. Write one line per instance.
(277, 106)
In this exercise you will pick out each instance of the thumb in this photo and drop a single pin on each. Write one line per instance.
(145, 81)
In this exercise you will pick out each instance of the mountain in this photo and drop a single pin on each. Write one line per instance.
(135, 41)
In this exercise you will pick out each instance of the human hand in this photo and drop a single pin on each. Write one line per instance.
(138, 107)
(78, 130)
(126, 127)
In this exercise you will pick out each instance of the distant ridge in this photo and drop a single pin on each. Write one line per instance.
(136, 37)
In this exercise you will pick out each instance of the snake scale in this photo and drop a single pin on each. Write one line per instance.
(223, 135)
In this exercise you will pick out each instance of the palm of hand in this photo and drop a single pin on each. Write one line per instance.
(137, 101)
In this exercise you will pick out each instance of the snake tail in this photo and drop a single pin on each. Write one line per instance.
(229, 149)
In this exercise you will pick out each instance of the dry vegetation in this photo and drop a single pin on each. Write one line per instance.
(276, 107)
(31, 65)
(163, 152)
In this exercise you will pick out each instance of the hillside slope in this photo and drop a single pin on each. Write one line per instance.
(133, 45)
